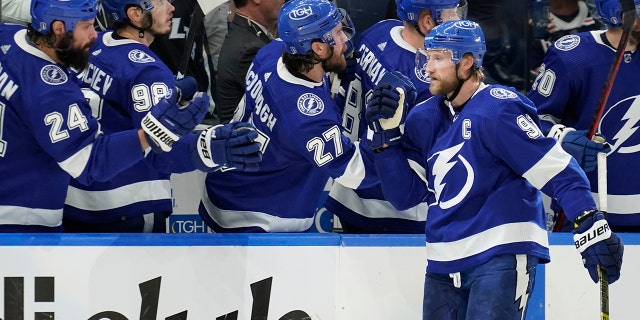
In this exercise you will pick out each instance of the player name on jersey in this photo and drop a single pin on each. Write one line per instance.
(97, 79)
(371, 65)
(7, 88)
(254, 87)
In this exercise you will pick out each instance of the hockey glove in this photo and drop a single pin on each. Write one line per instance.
(578, 145)
(231, 145)
(186, 88)
(166, 122)
(349, 73)
(598, 245)
(387, 109)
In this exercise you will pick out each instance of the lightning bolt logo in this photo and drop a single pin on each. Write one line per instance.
(522, 282)
(310, 104)
(630, 126)
(53, 75)
(444, 162)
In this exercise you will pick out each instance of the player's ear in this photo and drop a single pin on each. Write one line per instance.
(320, 48)
(134, 13)
(58, 28)
(467, 61)
(426, 21)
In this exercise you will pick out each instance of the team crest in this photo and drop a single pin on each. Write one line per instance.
(567, 42)
(310, 104)
(140, 56)
(422, 74)
(53, 75)
(501, 93)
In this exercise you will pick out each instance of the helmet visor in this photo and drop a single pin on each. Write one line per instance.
(343, 32)
(437, 57)
(458, 12)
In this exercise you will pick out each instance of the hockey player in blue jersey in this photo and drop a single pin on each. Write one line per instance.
(124, 79)
(389, 45)
(47, 133)
(288, 100)
(485, 230)
(566, 93)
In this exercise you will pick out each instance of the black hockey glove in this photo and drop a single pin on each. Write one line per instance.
(231, 145)
(387, 109)
(598, 245)
(166, 122)
(186, 88)
(578, 145)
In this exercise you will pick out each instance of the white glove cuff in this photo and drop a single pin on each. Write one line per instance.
(204, 147)
(158, 132)
(599, 231)
(394, 121)
(559, 131)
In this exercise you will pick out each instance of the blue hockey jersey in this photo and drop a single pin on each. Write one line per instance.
(383, 49)
(123, 81)
(567, 91)
(47, 136)
(484, 170)
(302, 145)
(7, 31)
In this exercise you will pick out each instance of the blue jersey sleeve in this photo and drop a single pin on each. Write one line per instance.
(403, 170)
(537, 158)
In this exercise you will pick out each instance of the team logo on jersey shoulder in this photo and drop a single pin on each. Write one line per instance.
(502, 93)
(568, 42)
(310, 104)
(140, 56)
(52, 74)
(422, 75)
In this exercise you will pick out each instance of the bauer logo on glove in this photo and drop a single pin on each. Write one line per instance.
(598, 232)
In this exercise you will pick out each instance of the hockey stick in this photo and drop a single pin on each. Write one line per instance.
(196, 19)
(628, 20)
(602, 199)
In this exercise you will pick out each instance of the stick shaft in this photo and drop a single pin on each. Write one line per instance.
(629, 17)
(602, 199)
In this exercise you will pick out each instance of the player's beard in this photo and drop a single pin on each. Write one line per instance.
(70, 55)
(336, 63)
(443, 86)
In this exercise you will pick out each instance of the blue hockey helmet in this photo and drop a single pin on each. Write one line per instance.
(459, 37)
(44, 12)
(611, 11)
(300, 22)
(117, 8)
(409, 10)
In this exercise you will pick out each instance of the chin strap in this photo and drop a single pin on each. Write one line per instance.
(417, 27)
(460, 83)
(141, 30)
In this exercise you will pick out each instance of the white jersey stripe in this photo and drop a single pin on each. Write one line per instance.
(375, 208)
(548, 167)
(244, 219)
(118, 197)
(30, 216)
(487, 239)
